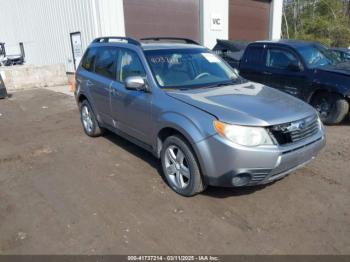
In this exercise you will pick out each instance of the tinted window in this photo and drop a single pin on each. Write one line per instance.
(280, 59)
(317, 55)
(347, 56)
(254, 55)
(89, 59)
(129, 65)
(105, 61)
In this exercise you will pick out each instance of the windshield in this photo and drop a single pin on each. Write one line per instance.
(317, 55)
(188, 68)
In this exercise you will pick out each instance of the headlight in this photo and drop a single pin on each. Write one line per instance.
(243, 135)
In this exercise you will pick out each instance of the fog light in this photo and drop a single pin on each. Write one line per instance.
(241, 180)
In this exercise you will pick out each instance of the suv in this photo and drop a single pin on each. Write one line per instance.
(307, 70)
(186, 106)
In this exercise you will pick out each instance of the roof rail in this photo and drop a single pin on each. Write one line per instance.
(156, 39)
(106, 39)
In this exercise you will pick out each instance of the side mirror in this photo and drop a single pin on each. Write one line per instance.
(294, 67)
(135, 83)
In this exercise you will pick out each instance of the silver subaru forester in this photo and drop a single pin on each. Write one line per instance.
(181, 102)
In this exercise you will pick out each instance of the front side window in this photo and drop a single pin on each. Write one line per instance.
(280, 59)
(106, 61)
(89, 59)
(317, 55)
(187, 68)
(347, 56)
(129, 65)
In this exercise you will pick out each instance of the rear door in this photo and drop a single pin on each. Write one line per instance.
(285, 71)
(99, 84)
(131, 109)
(252, 63)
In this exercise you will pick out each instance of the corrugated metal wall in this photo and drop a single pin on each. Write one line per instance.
(44, 26)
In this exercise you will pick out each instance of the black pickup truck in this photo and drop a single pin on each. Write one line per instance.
(307, 70)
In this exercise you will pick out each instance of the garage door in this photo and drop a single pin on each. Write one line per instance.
(177, 18)
(249, 19)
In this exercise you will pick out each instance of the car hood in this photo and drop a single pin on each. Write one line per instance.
(249, 104)
(341, 68)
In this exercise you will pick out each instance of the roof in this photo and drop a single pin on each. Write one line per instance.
(232, 45)
(291, 43)
(159, 43)
(165, 46)
(347, 50)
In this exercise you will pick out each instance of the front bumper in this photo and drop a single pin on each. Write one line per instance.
(221, 161)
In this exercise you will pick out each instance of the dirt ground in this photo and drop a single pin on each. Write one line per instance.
(64, 193)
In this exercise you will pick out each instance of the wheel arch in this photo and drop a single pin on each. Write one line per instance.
(324, 91)
(167, 131)
(171, 131)
(81, 98)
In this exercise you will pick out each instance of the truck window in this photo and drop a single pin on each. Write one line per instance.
(254, 55)
(280, 59)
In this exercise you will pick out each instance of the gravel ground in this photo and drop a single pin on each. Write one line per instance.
(64, 193)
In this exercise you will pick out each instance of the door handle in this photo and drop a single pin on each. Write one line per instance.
(89, 83)
(115, 92)
(267, 73)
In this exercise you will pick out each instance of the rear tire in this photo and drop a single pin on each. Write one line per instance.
(180, 167)
(331, 107)
(89, 121)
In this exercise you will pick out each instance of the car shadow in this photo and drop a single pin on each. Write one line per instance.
(144, 155)
(137, 151)
(225, 192)
(346, 121)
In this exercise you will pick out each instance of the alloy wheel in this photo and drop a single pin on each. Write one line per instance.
(177, 168)
(323, 107)
(87, 119)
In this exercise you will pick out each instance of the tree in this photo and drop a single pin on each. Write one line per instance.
(325, 21)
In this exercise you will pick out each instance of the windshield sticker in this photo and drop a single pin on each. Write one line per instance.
(174, 59)
(210, 58)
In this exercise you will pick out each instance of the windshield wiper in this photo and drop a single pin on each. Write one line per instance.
(228, 83)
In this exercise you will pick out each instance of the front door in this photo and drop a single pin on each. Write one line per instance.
(131, 109)
(284, 71)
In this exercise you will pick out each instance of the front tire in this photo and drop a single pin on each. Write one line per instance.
(331, 107)
(89, 121)
(180, 167)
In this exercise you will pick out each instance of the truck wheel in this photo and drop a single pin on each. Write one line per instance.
(180, 167)
(88, 120)
(331, 107)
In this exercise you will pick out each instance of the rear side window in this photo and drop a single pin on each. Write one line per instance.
(253, 55)
(280, 59)
(105, 64)
(89, 59)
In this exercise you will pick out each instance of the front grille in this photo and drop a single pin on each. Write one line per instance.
(295, 131)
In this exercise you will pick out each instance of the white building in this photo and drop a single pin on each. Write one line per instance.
(45, 26)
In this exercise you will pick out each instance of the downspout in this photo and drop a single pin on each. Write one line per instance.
(95, 17)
